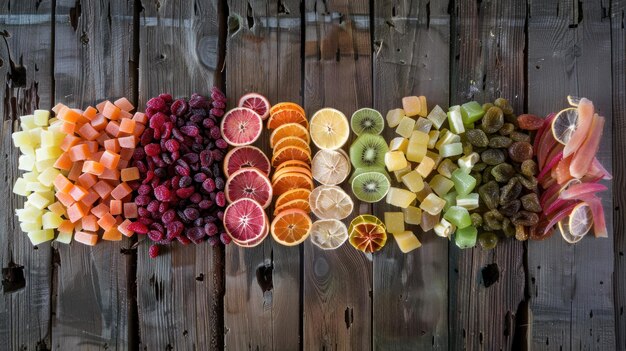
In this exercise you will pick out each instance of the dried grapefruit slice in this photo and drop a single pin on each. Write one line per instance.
(241, 126)
(244, 157)
(257, 241)
(291, 227)
(289, 130)
(256, 102)
(281, 117)
(244, 220)
(293, 194)
(289, 153)
(249, 183)
(290, 181)
(367, 236)
(328, 234)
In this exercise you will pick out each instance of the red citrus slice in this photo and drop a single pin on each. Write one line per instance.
(244, 157)
(256, 102)
(241, 126)
(249, 183)
(245, 221)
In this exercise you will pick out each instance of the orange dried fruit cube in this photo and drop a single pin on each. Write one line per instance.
(58, 209)
(77, 192)
(62, 184)
(69, 141)
(69, 115)
(130, 210)
(88, 239)
(66, 226)
(90, 223)
(63, 162)
(58, 108)
(123, 228)
(110, 159)
(110, 174)
(79, 152)
(66, 199)
(127, 125)
(140, 117)
(100, 210)
(121, 191)
(92, 145)
(93, 167)
(90, 198)
(102, 138)
(100, 105)
(110, 111)
(124, 104)
(103, 189)
(112, 145)
(75, 212)
(107, 221)
(125, 115)
(112, 235)
(75, 171)
(87, 131)
(129, 174)
(67, 127)
(128, 142)
(115, 207)
(90, 112)
(99, 122)
(139, 128)
(113, 129)
(122, 164)
(87, 180)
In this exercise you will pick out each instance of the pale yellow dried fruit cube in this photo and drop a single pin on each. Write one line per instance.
(399, 144)
(51, 220)
(26, 163)
(394, 222)
(27, 122)
(405, 128)
(407, 241)
(47, 153)
(38, 201)
(19, 187)
(41, 117)
(395, 160)
(433, 135)
(30, 227)
(423, 106)
(394, 116)
(433, 204)
(423, 125)
(47, 176)
(437, 115)
(435, 157)
(400, 197)
(421, 195)
(45, 164)
(411, 105)
(21, 139)
(41, 236)
(440, 184)
(446, 168)
(412, 215)
(413, 181)
(402, 172)
(425, 167)
(418, 146)
(64, 238)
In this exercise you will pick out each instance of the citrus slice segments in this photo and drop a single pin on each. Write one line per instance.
(292, 163)
(244, 157)
(367, 236)
(333, 203)
(244, 220)
(281, 117)
(330, 167)
(241, 126)
(289, 153)
(328, 234)
(564, 124)
(293, 194)
(257, 103)
(577, 224)
(249, 183)
(286, 106)
(290, 181)
(289, 130)
(297, 203)
(329, 129)
(257, 241)
(291, 227)
(295, 169)
(292, 141)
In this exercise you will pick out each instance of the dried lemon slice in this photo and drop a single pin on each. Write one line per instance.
(333, 203)
(328, 234)
(330, 167)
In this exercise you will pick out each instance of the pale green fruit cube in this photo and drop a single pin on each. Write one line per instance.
(446, 167)
(418, 146)
(463, 182)
(395, 160)
(411, 105)
(36, 186)
(423, 125)
(440, 184)
(38, 201)
(51, 220)
(27, 122)
(30, 227)
(421, 195)
(394, 222)
(400, 197)
(30, 214)
(412, 215)
(399, 144)
(471, 112)
(394, 116)
(45, 164)
(450, 199)
(466, 163)
(466, 237)
(19, 188)
(432, 204)
(444, 228)
(425, 167)
(40, 236)
(449, 150)
(429, 221)
(456, 120)
(469, 201)
(26, 163)
(64, 238)
(405, 128)
(458, 216)
(402, 172)
(413, 181)
(447, 137)
(407, 241)
(437, 115)
(40, 117)
(47, 153)
(47, 176)
(433, 136)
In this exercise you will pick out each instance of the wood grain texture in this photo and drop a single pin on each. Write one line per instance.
(262, 306)
(411, 57)
(488, 47)
(571, 287)
(26, 70)
(338, 73)
(618, 41)
(93, 54)
(180, 293)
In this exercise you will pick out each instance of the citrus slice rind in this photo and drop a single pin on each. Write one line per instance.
(291, 227)
(244, 220)
(286, 106)
(333, 203)
(290, 153)
(564, 124)
(329, 129)
(330, 167)
(244, 157)
(281, 117)
(292, 141)
(289, 130)
(291, 180)
(249, 183)
(328, 234)
(366, 235)
(241, 126)
(296, 203)
(293, 194)
(256, 102)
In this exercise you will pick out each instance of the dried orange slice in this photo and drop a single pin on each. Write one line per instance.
(291, 227)
(296, 169)
(291, 180)
(366, 235)
(289, 130)
(292, 163)
(292, 141)
(286, 116)
(286, 106)
(297, 203)
(290, 153)
(293, 194)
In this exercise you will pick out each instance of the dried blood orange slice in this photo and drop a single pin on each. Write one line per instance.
(241, 126)
(289, 130)
(244, 157)
(257, 103)
(249, 183)
(293, 194)
(281, 117)
(367, 235)
(291, 227)
(291, 180)
(245, 221)
(289, 153)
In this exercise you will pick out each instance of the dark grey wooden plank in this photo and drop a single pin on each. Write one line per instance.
(489, 44)
(338, 74)
(93, 54)
(571, 287)
(26, 70)
(180, 293)
(618, 42)
(411, 57)
(262, 301)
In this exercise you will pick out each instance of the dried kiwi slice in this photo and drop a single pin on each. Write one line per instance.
(368, 150)
(370, 186)
(367, 121)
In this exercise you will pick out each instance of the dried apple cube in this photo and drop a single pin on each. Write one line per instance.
(400, 197)
(64, 237)
(51, 220)
(395, 160)
(435, 157)
(19, 188)
(407, 241)
(429, 221)
(421, 195)
(394, 222)
(432, 204)
(418, 146)
(413, 181)
(405, 128)
(437, 115)
(394, 117)
(440, 184)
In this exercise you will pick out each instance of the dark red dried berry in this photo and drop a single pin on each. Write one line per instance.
(219, 183)
(155, 235)
(208, 185)
(215, 133)
(195, 234)
(199, 177)
(179, 107)
(142, 212)
(139, 154)
(205, 204)
(180, 170)
(152, 149)
(184, 193)
(138, 227)
(162, 193)
(174, 229)
(158, 120)
(220, 199)
(191, 213)
(143, 200)
(221, 143)
(219, 104)
(141, 166)
(153, 206)
(146, 137)
(217, 112)
(169, 216)
(172, 145)
(208, 123)
(195, 198)
(225, 238)
(153, 251)
(192, 131)
(145, 221)
(156, 103)
(166, 97)
(210, 229)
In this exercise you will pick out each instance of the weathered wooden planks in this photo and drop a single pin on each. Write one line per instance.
(618, 41)
(180, 293)
(411, 54)
(26, 67)
(338, 73)
(571, 290)
(488, 46)
(262, 307)
(93, 54)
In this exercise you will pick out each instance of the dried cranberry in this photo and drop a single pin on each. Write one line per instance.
(162, 193)
(221, 143)
(209, 185)
(217, 112)
(152, 149)
(179, 107)
(199, 177)
(219, 104)
(172, 145)
(158, 120)
(143, 200)
(146, 137)
(184, 193)
(220, 199)
(168, 216)
(164, 206)
(195, 234)
(144, 189)
(153, 206)
(174, 229)
(139, 154)
(183, 240)
(191, 213)
(195, 198)
(138, 227)
(205, 204)
(225, 238)
(208, 123)
(142, 212)
(215, 133)
(214, 241)
(191, 157)
(141, 166)
(156, 103)
(153, 251)
(210, 229)
(155, 235)
(219, 183)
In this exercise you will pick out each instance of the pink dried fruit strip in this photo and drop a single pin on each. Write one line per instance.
(587, 152)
